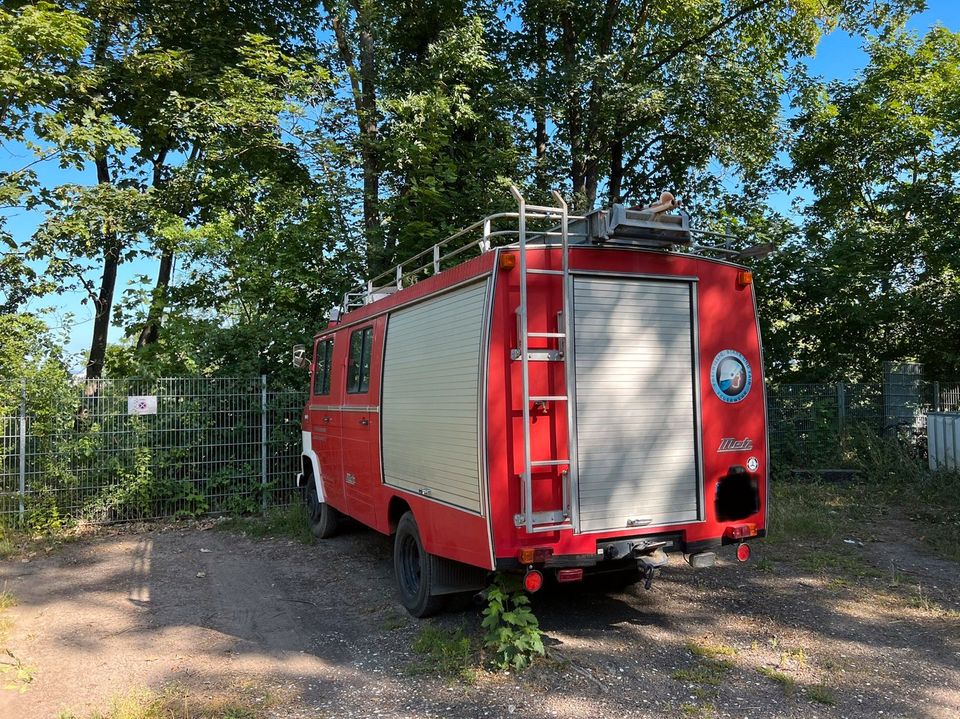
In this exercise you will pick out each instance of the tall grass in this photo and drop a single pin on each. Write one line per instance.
(892, 481)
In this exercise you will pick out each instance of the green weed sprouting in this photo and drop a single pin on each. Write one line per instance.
(512, 630)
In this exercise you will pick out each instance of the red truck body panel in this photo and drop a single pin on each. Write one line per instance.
(345, 432)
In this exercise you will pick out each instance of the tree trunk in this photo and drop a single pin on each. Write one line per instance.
(363, 87)
(539, 107)
(103, 305)
(151, 330)
(616, 170)
(377, 252)
(569, 49)
(596, 144)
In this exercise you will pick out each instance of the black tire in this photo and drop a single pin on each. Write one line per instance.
(324, 519)
(414, 570)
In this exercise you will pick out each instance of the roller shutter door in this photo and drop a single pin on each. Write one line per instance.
(636, 412)
(429, 411)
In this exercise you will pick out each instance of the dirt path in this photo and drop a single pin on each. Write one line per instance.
(318, 632)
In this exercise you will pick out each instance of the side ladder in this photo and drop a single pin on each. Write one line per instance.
(562, 518)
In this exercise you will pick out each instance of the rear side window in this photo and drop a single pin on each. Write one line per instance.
(321, 373)
(358, 368)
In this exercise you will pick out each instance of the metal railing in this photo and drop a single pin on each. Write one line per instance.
(479, 237)
(130, 449)
(77, 449)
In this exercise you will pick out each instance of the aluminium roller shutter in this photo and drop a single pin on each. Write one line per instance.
(429, 409)
(636, 411)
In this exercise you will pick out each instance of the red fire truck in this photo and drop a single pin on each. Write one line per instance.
(581, 396)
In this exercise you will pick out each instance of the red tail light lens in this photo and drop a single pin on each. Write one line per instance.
(741, 531)
(743, 552)
(569, 575)
(532, 581)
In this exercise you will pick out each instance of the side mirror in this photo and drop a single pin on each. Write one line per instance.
(300, 356)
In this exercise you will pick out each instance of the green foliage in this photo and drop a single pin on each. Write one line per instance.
(173, 703)
(89, 459)
(874, 276)
(174, 109)
(820, 516)
(512, 630)
(277, 169)
(710, 673)
(291, 522)
(786, 682)
(28, 350)
(448, 146)
(821, 694)
(444, 652)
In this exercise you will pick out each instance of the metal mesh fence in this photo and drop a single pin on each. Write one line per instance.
(819, 425)
(130, 449)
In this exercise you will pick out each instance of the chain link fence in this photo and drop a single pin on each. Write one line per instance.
(817, 426)
(130, 449)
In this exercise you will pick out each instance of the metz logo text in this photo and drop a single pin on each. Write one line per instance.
(729, 444)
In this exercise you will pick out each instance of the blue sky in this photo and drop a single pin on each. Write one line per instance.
(839, 56)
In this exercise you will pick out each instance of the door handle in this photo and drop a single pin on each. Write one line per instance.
(326, 419)
(364, 421)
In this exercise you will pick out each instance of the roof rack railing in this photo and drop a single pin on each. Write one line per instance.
(483, 235)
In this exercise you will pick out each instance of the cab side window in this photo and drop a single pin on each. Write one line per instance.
(321, 371)
(358, 368)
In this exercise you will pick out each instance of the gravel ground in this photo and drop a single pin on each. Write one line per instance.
(318, 631)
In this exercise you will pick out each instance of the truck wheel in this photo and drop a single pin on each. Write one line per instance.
(324, 519)
(414, 570)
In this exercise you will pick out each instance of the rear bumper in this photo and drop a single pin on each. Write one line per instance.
(675, 544)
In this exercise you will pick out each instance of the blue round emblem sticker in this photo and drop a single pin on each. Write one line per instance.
(730, 376)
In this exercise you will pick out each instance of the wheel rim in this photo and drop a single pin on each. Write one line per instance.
(408, 554)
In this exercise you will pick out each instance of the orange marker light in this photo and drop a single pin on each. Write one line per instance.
(744, 278)
(529, 555)
(508, 262)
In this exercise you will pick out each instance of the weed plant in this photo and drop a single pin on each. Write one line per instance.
(512, 630)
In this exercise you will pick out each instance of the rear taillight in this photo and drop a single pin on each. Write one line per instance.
(569, 575)
(740, 531)
(743, 552)
(532, 555)
(532, 581)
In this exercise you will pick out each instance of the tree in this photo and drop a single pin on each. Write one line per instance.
(164, 96)
(449, 145)
(39, 46)
(877, 276)
(649, 94)
(354, 25)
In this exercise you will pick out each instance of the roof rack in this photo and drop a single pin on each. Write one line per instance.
(651, 227)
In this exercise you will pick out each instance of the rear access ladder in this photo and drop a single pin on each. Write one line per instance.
(562, 518)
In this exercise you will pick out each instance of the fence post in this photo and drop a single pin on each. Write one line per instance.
(841, 406)
(263, 439)
(23, 445)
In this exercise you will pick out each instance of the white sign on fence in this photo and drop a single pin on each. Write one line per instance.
(142, 404)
